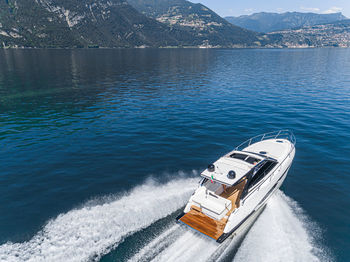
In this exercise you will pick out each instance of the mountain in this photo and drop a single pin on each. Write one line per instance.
(206, 27)
(115, 23)
(269, 22)
(155, 23)
(336, 34)
(80, 23)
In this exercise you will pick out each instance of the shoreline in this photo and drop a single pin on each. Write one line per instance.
(169, 47)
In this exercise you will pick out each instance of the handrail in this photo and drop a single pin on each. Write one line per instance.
(282, 134)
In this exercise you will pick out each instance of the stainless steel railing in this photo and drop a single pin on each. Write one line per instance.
(282, 134)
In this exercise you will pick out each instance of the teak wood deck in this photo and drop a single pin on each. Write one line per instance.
(204, 224)
(209, 226)
(234, 194)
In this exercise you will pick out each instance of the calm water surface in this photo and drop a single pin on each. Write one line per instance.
(101, 148)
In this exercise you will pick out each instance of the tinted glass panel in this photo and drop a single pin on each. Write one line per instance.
(270, 167)
(265, 169)
(252, 160)
(238, 156)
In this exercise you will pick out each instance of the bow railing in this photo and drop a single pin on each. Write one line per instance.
(281, 134)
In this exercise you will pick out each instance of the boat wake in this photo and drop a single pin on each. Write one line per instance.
(281, 233)
(91, 231)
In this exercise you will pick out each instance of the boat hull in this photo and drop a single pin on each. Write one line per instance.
(251, 217)
(248, 194)
(243, 227)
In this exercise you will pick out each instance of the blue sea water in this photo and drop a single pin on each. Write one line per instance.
(100, 149)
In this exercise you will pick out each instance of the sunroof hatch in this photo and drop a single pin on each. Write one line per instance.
(244, 157)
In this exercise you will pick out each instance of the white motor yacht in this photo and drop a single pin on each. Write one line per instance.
(234, 189)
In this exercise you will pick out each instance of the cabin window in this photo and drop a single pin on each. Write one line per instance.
(246, 158)
(239, 156)
(252, 160)
(264, 169)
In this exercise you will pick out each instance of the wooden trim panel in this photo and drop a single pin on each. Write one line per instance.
(204, 224)
(209, 226)
(234, 194)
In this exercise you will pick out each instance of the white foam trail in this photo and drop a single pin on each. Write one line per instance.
(282, 233)
(190, 246)
(91, 231)
(177, 243)
(158, 244)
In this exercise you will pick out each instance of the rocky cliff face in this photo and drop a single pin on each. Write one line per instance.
(79, 23)
(205, 26)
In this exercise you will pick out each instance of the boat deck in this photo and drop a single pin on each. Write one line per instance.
(208, 226)
(234, 194)
(204, 224)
